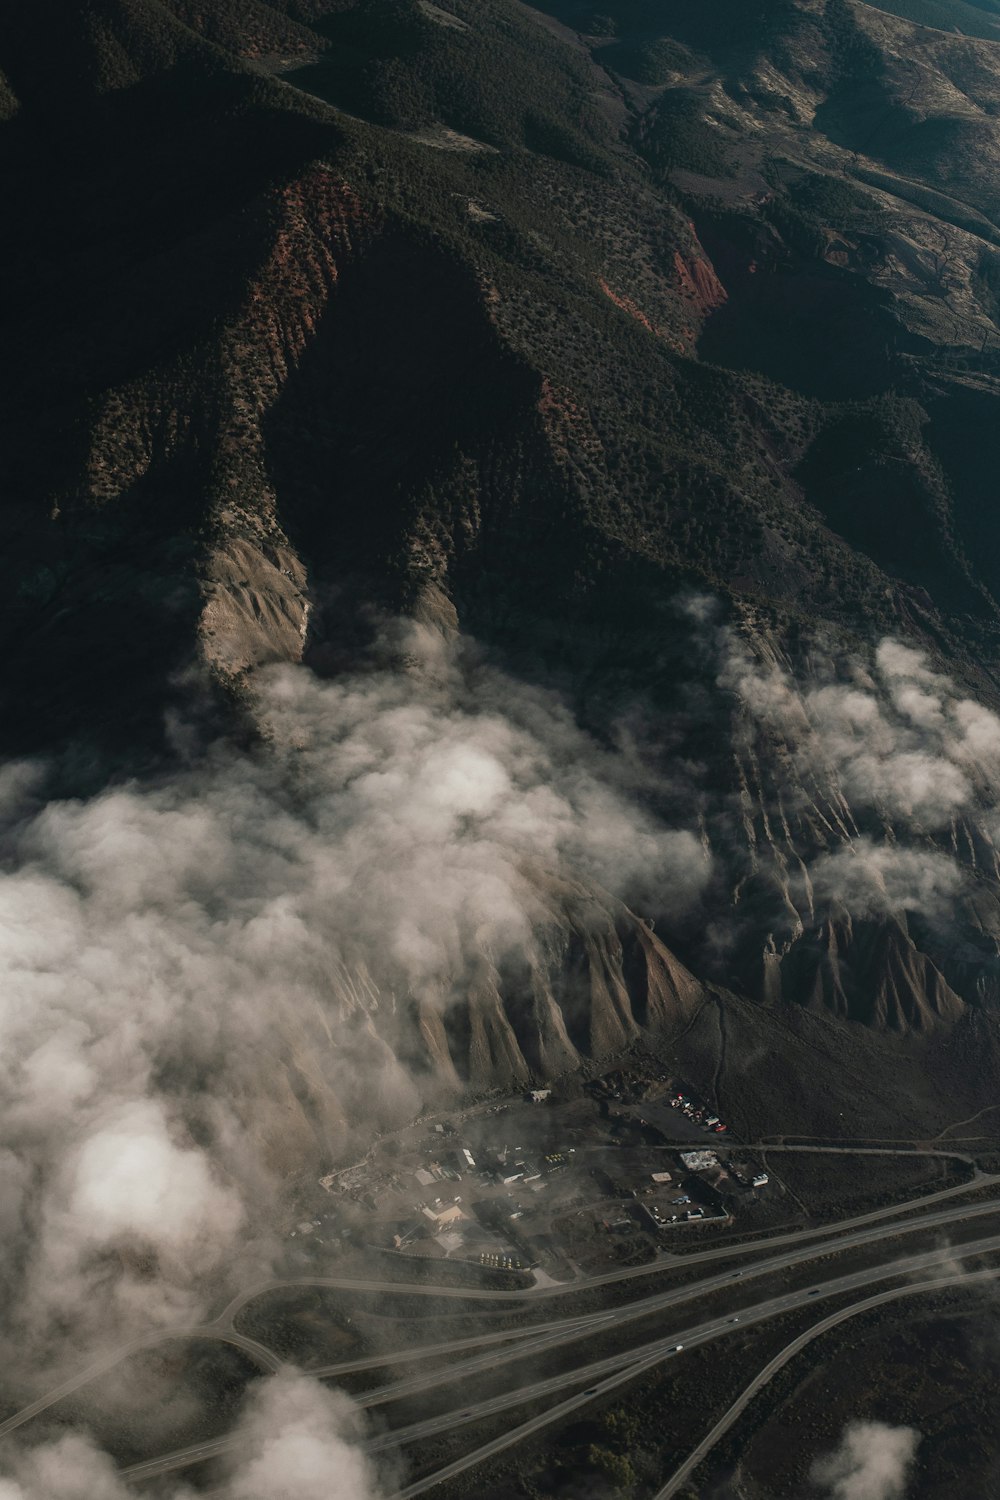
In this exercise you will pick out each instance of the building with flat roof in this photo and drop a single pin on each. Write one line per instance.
(699, 1161)
(441, 1215)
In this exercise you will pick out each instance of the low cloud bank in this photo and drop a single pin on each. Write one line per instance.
(170, 954)
(294, 1438)
(898, 738)
(886, 763)
(181, 963)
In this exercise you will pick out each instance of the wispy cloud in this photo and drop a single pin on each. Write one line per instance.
(295, 1438)
(876, 762)
(873, 1462)
(183, 964)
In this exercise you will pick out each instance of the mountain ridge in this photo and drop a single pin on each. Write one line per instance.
(684, 311)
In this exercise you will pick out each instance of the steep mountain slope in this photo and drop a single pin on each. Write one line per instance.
(562, 327)
(976, 18)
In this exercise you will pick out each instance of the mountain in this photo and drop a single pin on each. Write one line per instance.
(654, 346)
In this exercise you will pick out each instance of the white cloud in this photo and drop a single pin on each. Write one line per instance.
(165, 949)
(888, 763)
(891, 749)
(130, 1179)
(873, 1462)
(298, 1439)
(69, 1469)
(294, 1438)
(878, 879)
(899, 663)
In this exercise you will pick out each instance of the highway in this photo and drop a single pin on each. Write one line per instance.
(492, 1351)
(699, 1454)
(916, 1206)
(267, 1360)
(598, 1376)
(657, 1301)
(644, 1361)
(557, 1333)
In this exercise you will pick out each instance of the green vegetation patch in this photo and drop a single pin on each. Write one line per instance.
(308, 1325)
(651, 62)
(675, 134)
(492, 74)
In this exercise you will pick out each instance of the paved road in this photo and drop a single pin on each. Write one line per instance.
(398, 1437)
(871, 1227)
(598, 1376)
(804, 1236)
(912, 1153)
(835, 1241)
(452, 1346)
(258, 1352)
(529, 1428)
(630, 1273)
(528, 1343)
(699, 1454)
(704, 1333)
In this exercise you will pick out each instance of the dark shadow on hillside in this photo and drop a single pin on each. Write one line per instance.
(807, 325)
(100, 614)
(403, 386)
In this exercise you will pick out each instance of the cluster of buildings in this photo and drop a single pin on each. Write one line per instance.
(457, 1190)
(485, 1231)
(501, 1166)
(703, 1191)
(651, 1208)
(658, 1219)
(698, 1113)
(718, 1175)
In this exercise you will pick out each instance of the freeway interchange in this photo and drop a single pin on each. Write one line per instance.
(587, 1380)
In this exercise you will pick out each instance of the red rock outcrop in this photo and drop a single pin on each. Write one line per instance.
(699, 283)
